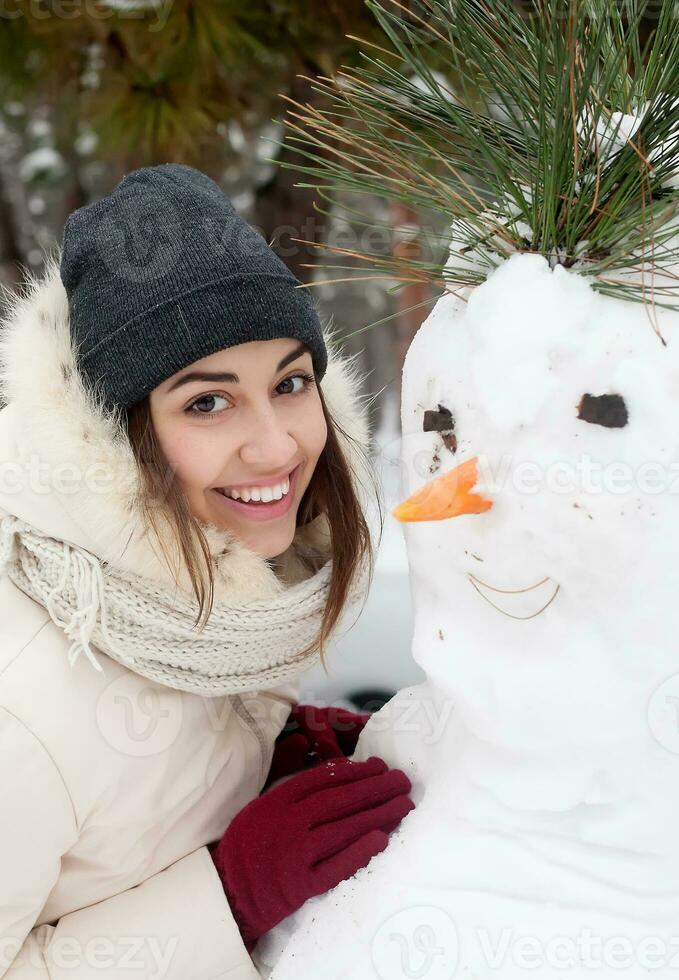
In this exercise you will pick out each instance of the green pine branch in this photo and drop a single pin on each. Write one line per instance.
(553, 130)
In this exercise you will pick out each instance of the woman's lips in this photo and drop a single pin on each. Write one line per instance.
(257, 510)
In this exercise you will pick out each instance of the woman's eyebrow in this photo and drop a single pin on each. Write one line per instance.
(228, 376)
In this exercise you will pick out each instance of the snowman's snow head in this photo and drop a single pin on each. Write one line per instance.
(559, 464)
(546, 609)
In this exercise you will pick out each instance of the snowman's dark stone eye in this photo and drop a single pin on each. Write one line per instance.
(441, 421)
(608, 410)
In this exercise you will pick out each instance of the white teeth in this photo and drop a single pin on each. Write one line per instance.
(262, 494)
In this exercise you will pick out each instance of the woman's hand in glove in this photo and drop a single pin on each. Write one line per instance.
(305, 836)
(312, 735)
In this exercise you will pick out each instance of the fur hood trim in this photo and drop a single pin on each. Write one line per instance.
(67, 467)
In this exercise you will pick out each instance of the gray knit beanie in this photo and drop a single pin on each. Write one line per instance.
(163, 272)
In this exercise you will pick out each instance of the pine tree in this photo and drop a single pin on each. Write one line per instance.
(164, 81)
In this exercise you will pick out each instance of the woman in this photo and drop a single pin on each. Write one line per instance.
(153, 619)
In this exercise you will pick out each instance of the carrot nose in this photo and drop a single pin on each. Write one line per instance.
(447, 496)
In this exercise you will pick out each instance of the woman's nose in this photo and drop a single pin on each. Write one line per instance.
(268, 444)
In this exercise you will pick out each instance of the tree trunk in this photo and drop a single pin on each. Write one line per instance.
(409, 321)
(11, 255)
(284, 212)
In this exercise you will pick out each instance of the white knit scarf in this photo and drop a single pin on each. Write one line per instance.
(245, 646)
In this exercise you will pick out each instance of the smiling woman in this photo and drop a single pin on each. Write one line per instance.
(204, 445)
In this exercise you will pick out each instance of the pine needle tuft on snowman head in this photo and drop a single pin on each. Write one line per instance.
(544, 126)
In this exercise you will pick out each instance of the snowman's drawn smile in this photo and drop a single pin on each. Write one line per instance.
(518, 603)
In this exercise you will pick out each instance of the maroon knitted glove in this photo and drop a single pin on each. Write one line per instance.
(312, 735)
(305, 836)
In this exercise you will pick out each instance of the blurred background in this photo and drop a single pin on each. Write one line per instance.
(91, 90)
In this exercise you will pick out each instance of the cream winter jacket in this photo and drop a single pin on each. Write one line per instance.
(113, 785)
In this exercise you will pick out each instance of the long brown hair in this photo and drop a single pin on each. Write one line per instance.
(331, 491)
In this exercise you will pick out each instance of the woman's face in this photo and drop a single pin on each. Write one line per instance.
(246, 422)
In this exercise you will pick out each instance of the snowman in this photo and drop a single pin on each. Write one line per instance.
(544, 746)
(540, 477)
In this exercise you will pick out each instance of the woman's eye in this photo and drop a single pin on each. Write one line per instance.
(205, 401)
(289, 387)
